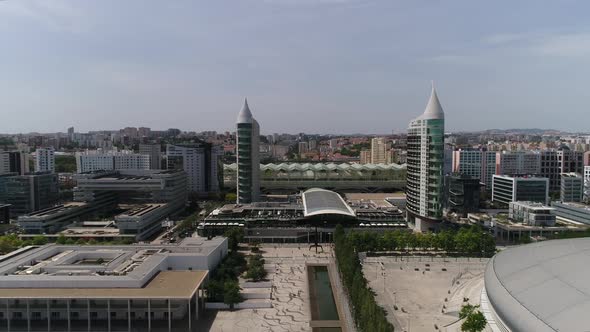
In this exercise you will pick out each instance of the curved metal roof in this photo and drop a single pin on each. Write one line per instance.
(302, 167)
(318, 201)
(542, 286)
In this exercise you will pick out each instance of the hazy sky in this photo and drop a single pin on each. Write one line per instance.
(325, 66)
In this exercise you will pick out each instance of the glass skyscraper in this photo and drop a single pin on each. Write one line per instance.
(425, 163)
(247, 153)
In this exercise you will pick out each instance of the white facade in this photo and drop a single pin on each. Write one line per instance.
(91, 161)
(379, 151)
(425, 166)
(201, 163)
(155, 153)
(587, 182)
(45, 160)
(531, 213)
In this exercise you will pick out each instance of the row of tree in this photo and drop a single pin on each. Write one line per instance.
(467, 241)
(255, 270)
(12, 242)
(368, 315)
(223, 286)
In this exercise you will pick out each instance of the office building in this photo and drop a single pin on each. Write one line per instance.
(518, 163)
(202, 163)
(28, 193)
(97, 160)
(153, 195)
(52, 219)
(462, 194)
(45, 160)
(108, 288)
(572, 187)
(425, 146)
(556, 162)
(14, 162)
(155, 153)
(506, 189)
(4, 213)
(447, 160)
(476, 163)
(247, 153)
(531, 213)
(587, 183)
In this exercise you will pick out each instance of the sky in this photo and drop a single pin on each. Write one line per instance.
(314, 66)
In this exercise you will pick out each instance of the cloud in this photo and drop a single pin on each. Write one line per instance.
(313, 2)
(55, 14)
(566, 45)
(504, 38)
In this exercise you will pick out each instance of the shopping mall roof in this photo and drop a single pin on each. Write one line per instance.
(302, 167)
(542, 286)
(320, 201)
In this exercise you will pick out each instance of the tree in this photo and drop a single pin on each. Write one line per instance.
(65, 164)
(231, 293)
(256, 270)
(231, 197)
(234, 235)
(39, 240)
(474, 320)
(61, 239)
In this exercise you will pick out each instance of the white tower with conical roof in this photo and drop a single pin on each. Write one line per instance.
(247, 155)
(425, 164)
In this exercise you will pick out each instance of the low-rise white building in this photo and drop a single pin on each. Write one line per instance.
(104, 288)
(531, 213)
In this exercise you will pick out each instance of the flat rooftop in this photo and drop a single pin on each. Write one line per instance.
(580, 206)
(73, 270)
(143, 209)
(165, 285)
(57, 209)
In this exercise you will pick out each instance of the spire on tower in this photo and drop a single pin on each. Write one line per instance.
(245, 115)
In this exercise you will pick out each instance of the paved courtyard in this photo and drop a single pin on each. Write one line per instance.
(423, 292)
(290, 299)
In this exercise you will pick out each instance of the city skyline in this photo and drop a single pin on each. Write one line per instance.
(369, 60)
